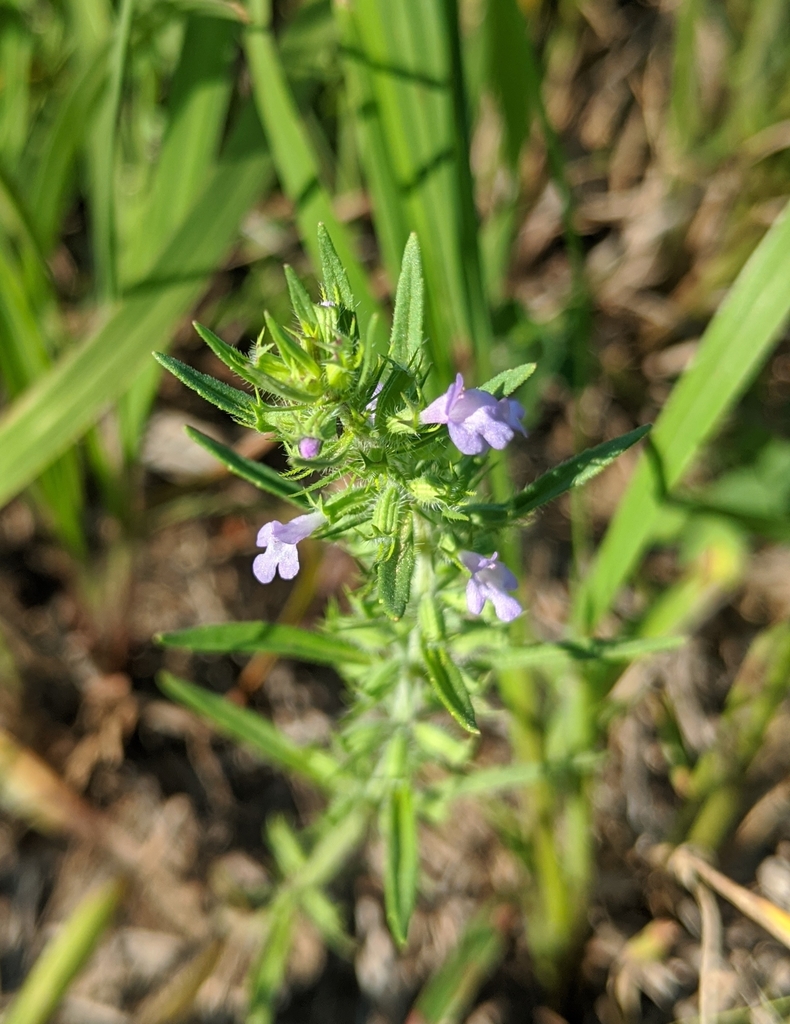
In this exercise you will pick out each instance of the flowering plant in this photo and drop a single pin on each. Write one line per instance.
(400, 481)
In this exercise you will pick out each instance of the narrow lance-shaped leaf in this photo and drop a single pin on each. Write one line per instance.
(401, 858)
(574, 472)
(292, 353)
(229, 355)
(300, 300)
(246, 727)
(271, 637)
(449, 685)
(332, 270)
(508, 381)
(237, 404)
(256, 473)
(395, 573)
(406, 337)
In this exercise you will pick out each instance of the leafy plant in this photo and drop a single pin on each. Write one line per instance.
(401, 483)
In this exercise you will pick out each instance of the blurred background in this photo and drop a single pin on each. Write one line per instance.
(588, 178)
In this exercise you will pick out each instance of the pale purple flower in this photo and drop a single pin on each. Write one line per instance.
(491, 579)
(280, 540)
(309, 447)
(476, 421)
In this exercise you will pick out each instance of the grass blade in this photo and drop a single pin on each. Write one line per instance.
(63, 404)
(296, 163)
(65, 955)
(735, 344)
(103, 170)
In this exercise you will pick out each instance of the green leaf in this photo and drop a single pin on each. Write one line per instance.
(508, 381)
(293, 354)
(267, 976)
(255, 732)
(328, 920)
(398, 825)
(64, 955)
(60, 407)
(300, 300)
(574, 472)
(251, 637)
(450, 688)
(237, 404)
(406, 338)
(733, 347)
(332, 270)
(393, 394)
(256, 473)
(229, 355)
(396, 571)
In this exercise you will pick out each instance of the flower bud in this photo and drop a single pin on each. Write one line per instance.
(309, 447)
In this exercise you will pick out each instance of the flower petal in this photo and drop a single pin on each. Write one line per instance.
(470, 402)
(264, 566)
(475, 598)
(506, 607)
(472, 560)
(265, 533)
(299, 528)
(467, 440)
(495, 432)
(289, 562)
(512, 412)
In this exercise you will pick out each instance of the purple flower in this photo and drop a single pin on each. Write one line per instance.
(309, 447)
(476, 421)
(280, 540)
(490, 581)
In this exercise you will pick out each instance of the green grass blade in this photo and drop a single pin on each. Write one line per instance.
(197, 107)
(16, 53)
(24, 358)
(253, 731)
(62, 142)
(103, 205)
(448, 995)
(65, 955)
(296, 163)
(411, 55)
(252, 637)
(61, 406)
(388, 209)
(734, 346)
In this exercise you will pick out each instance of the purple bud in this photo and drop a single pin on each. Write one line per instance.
(475, 420)
(309, 447)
